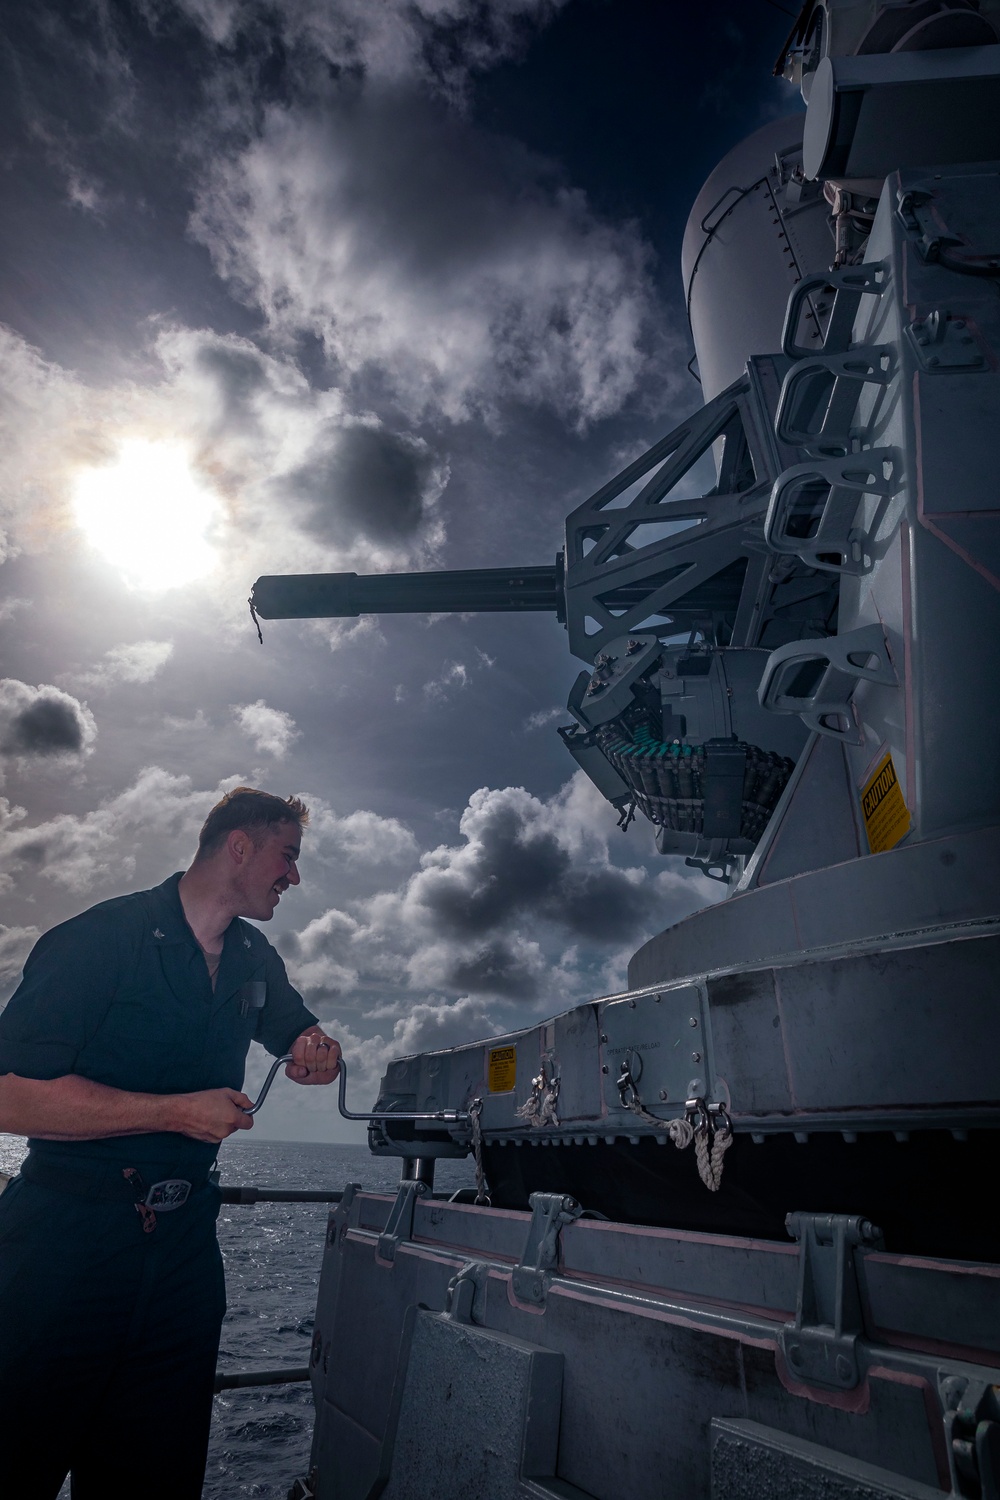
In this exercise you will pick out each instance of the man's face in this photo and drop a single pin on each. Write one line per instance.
(269, 871)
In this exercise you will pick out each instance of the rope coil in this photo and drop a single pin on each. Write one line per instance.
(711, 1131)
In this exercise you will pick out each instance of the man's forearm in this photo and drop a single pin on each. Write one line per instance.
(77, 1109)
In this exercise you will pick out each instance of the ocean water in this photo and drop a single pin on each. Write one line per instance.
(261, 1437)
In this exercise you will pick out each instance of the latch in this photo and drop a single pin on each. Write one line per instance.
(467, 1293)
(820, 1346)
(549, 1212)
(399, 1225)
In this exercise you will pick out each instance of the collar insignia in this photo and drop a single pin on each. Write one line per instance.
(157, 933)
(246, 941)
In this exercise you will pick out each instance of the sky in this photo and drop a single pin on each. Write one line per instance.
(336, 285)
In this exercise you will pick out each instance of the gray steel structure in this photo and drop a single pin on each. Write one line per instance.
(740, 1242)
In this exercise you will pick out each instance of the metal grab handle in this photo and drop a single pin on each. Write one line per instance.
(446, 1116)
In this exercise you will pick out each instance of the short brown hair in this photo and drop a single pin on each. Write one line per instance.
(252, 811)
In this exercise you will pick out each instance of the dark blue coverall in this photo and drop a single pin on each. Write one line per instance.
(109, 1327)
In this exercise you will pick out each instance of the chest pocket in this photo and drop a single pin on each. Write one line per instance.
(251, 999)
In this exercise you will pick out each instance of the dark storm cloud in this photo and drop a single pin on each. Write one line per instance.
(371, 481)
(46, 728)
(43, 721)
(528, 902)
(495, 969)
(518, 863)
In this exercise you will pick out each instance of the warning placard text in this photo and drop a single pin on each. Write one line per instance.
(501, 1070)
(886, 815)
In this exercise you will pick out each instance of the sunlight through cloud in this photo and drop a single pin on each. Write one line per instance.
(148, 514)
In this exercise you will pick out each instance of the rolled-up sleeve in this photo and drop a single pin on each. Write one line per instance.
(69, 981)
(284, 1015)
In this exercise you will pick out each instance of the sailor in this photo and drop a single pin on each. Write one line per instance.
(121, 1058)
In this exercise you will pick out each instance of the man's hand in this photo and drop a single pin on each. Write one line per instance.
(212, 1114)
(315, 1058)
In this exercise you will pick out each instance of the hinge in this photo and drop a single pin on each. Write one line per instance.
(549, 1212)
(972, 1432)
(399, 1225)
(820, 1346)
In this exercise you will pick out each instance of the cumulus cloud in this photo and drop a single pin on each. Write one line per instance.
(442, 1023)
(153, 821)
(43, 723)
(359, 838)
(452, 265)
(271, 729)
(133, 662)
(529, 903)
(15, 945)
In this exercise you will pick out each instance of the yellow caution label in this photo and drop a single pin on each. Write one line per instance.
(886, 815)
(501, 1070)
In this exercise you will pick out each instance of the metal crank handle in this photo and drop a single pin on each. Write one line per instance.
(278, 1063)
(446, 1116)
(386, 1116)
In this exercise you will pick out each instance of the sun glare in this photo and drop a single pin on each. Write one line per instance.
(148, 514)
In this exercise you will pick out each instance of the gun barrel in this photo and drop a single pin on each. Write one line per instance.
(310, 596)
